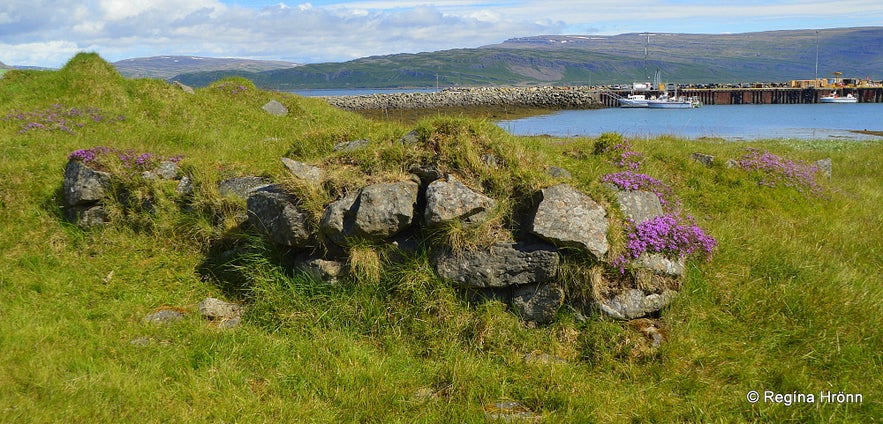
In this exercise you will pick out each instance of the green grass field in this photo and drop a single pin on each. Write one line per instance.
(791, 302)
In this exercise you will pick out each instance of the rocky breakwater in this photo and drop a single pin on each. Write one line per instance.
(538, 97)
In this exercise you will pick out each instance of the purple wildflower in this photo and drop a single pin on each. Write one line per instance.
(775, 169)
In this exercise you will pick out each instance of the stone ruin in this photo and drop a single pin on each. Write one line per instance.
(524, 273)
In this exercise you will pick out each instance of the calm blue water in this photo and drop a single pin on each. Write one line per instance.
(730, 122)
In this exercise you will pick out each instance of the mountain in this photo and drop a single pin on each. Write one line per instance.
(589, 59)
(165, 67)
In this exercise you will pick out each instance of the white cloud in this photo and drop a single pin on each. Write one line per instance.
(312, 32)
(50, 52)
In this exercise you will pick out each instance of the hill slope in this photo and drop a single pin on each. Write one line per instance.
(790, 303)
(164, 67)
(577, 60)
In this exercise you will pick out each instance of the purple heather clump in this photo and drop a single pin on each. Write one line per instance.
(776, 169)
(670, 235)
(90, 155)
(56, 118)
(620, 154)
(102, 157)
(231, 88)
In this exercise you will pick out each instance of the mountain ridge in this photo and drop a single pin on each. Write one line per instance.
(587, 60)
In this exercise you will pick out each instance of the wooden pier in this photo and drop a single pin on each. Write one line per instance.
(766, 95)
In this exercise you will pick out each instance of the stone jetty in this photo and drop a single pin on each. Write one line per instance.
(540, 97)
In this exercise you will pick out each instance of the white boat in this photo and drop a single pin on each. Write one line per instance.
(835, 98)
(673, 102)
(633, 100)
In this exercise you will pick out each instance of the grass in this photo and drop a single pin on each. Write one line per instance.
(791, 300)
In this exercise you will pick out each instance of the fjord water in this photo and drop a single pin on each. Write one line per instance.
(729, 122)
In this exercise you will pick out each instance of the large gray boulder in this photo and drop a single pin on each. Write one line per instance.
(337, 220)
(376, 212)
(567, 218)
(451, 200)
(500, 265)
(83, 185)
(639, 206)
(634, 303)
(538, 303)
(385, 209)
(278, 215)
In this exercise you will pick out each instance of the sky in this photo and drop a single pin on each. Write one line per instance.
(48, 33)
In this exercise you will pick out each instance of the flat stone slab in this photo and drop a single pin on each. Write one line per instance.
(500, 265)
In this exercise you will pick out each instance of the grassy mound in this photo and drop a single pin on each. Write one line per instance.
(790, 302)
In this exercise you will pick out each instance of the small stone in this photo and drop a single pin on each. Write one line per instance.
(273, 107)
(348, 146)
(164, 316)
(500, 265)
(411, 137)
(185, 88)
(217, 310)
(303, 171)
(241, 187)
(825, 167)
(634, 303)
(707, 160)
(510, 411)
(559, 173)
(537, 357)
(84, 185)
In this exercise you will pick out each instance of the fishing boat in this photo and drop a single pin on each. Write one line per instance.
(633, 100)
(835, 98)
(673, 102)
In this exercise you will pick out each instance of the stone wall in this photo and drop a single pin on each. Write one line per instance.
(525, 272)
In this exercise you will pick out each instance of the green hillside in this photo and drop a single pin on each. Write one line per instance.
(774, 56)
(791, 301)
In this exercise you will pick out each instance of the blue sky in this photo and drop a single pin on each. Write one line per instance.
(48, 33)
